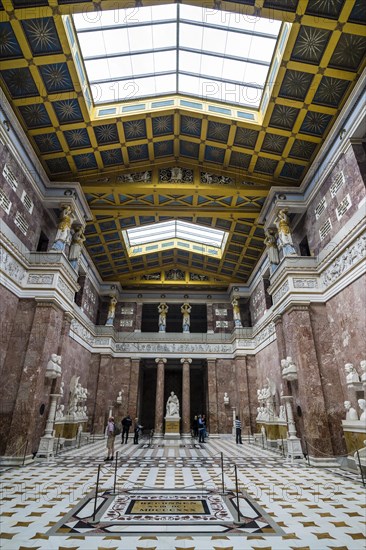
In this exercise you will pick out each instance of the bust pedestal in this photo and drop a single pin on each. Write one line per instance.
(172, 427)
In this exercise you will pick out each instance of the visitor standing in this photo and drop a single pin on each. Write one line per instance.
(126, 425)
(110, 438)
(238, 431)
(136, 431)
(201, 430)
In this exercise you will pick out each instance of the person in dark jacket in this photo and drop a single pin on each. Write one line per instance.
(136, 431)
(201, 430)
(126, 425)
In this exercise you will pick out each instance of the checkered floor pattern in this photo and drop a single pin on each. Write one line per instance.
(316, 509)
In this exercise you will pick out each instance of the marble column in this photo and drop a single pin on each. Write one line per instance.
(186, 398)
(159, 402)
(281, 346)
(242, 392)
(212, 398)
(103, 401)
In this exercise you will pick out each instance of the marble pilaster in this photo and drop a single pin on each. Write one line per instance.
(308, 388)
(159, 402)
(186, 398)
(212, 397)
(134, 387)
(103, 399)
(243, 397)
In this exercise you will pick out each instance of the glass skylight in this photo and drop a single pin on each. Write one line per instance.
(176, 229)
(176, 49)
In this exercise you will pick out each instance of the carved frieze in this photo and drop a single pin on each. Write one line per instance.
(45, 279)
(305, 283)
(11, 267)
(352, 255)
(281, 292)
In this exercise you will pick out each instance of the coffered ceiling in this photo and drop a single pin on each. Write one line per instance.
(228, 162)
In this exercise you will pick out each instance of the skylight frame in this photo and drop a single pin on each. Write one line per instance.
(175, 234)
(254, 91)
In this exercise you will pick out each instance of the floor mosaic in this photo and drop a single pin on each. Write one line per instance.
(283, 506)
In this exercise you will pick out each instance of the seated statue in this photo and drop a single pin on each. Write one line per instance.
(172, 405)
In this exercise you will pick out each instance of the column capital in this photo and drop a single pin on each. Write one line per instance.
(160, 360)
(184, 360)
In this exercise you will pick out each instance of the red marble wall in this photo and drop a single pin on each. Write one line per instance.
(8, 309)
(39, 220)
(354, 186)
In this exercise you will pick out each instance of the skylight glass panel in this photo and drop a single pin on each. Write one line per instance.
(225, 54)
(176, 229)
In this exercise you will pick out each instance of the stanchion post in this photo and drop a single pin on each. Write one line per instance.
(307, 452)
(237, 492)
(96, 493)
(262, 441)
(25, 452)
(359, 465)
(222, 473)
(283, 447)
(58, 444)
(115, 473)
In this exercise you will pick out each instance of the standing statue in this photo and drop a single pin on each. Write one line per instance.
(186, 310)
(76, 246)
(73, 396)
(163, 310)
(63, 229)
(236, 313)
(284, 233)
(172, 405)
(111, 311)
(272, 250)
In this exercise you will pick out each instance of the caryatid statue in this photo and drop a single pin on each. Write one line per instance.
(284, 233)
(77, 240)
(163, 310)
(111, 311)
(272, 250)
(236, 313)
(63, 234)
(186, 321)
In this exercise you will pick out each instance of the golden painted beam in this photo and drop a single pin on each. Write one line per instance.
(176, 211)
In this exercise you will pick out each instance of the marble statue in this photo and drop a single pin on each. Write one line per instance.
(226, 399)
(236, 313)
(111, 311)
(351, 413)
(186, 310)
(63, 229)
(363, 370)
(85, 411)
(362, 405)
(351, 374)
(289, 369)
(60, 412)
(272, 250)
(163, 310)
(284, 233)
(172, 405)
(53, 369)
(76, 247)
(119, 398)
(73, 396)
(62, 386)
(282, 413)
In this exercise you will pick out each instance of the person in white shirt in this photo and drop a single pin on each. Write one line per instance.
(238, 431)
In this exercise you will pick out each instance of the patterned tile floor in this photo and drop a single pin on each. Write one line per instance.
(311, 508)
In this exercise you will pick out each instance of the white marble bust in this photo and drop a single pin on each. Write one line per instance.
(351, 413)
(363, 370)
(362, 405)
(351, 373)
(226, 399)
